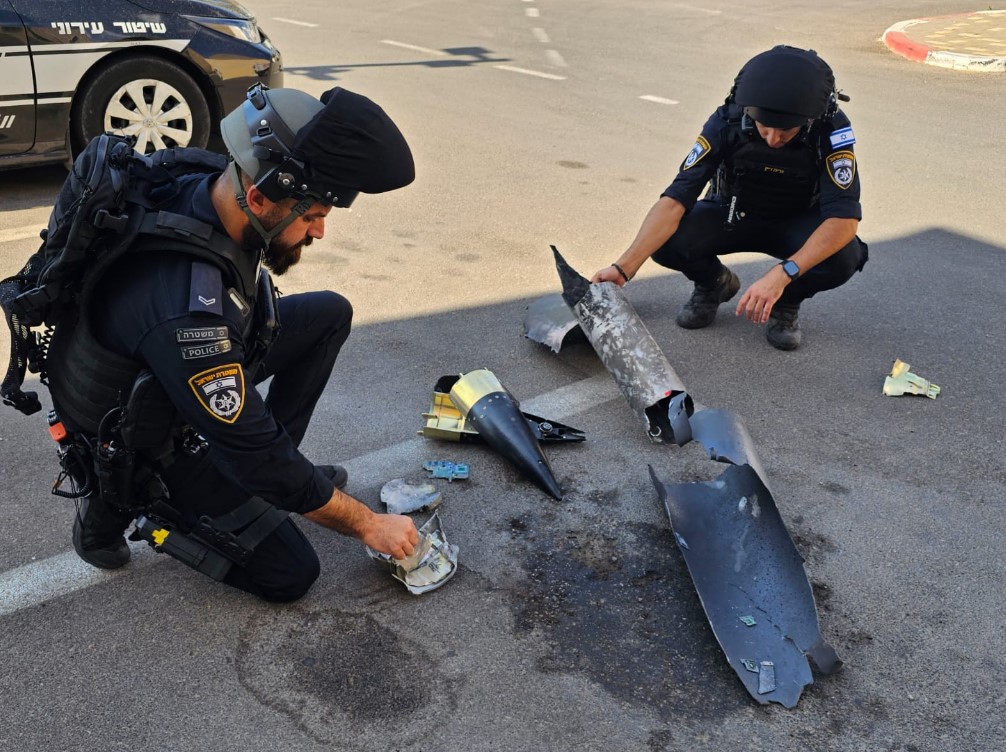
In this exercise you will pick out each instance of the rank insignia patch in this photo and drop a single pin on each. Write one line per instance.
(221, 391)
(699, 150)
(842, 168)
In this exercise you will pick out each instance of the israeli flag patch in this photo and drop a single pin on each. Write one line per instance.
(842, 137)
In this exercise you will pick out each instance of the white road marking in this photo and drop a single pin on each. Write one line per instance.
(540, 34)
(532, 12)
(556, 59)
(33, 584)
(659, 100)
(527, 72)
(41, 581)
(417, 48)
(295, 23)
(20, 233)
(682, 6)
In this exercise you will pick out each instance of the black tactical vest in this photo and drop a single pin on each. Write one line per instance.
(86, 380)
(771, 182)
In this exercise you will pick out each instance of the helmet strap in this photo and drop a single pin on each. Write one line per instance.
(242, 198)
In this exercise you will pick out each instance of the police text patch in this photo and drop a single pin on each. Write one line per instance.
(843, 137)
(206, 349)
(200, 334)
(221, 391)
(842, 168)
(699, 150)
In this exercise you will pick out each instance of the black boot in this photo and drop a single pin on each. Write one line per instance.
(700, 310)
(97, 534)
(783, 331)
(336, 473)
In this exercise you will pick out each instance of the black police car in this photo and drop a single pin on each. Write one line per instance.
(165, 71)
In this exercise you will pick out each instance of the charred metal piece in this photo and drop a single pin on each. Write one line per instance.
(631, 355)
(743, 561)
(550, 321)
(431, 564)
(552, 432)
(445, 421)
(482, 403)
(902, 382)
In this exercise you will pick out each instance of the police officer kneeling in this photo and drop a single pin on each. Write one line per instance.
(187, 339)
(783, 181)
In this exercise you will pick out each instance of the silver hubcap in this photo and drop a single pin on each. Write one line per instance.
(152, 111)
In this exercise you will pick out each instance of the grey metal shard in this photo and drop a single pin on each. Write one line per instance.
(433, 562)
(550, 321)
(629, 352)
(726, 439)
(744, 564)
(401, 497)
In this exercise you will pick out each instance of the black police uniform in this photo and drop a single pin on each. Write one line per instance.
(175, 315)
(765, 200)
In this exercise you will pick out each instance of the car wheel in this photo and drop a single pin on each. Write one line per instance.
(151, 99)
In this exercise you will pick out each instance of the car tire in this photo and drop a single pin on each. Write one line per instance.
(108, 102)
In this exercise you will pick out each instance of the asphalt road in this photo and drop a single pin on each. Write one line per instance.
(574, 624)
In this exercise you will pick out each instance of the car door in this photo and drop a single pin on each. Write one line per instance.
(17, 85)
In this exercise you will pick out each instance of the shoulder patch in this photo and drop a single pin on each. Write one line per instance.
(843, 137)
(206, 289)
(699, 150)
(221, 391)
(842, 168)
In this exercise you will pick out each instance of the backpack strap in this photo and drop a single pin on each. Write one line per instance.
(164, 230)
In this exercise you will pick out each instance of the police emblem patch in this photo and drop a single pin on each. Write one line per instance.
(221, 391)
(699, 150)
(842, 168)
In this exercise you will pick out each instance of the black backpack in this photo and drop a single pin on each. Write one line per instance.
(107, 201)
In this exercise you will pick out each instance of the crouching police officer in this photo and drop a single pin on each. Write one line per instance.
(783, 181)
(187, 337)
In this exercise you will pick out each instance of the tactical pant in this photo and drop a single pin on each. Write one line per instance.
(314, 327)
(703, 236)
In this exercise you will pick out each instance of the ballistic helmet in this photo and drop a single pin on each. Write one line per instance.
(295, 146)
(785, 87)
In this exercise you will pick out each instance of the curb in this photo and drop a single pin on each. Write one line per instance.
(900, 43)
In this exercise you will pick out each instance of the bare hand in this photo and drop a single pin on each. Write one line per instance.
(392, 534)
(757, 301)
(608, 274)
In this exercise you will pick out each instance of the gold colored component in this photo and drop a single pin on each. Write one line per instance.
(444, 421)
(448, 415)
(472, 387)
(902, 382)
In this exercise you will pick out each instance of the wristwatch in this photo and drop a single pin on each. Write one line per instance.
(791, 269)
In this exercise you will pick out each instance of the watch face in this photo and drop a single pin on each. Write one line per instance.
(791, 269)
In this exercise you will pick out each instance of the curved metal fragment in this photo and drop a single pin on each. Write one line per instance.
(550, 321)
(492, 411)
(431, 564)
(751, 581)
(726, 439)
(629, 352)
